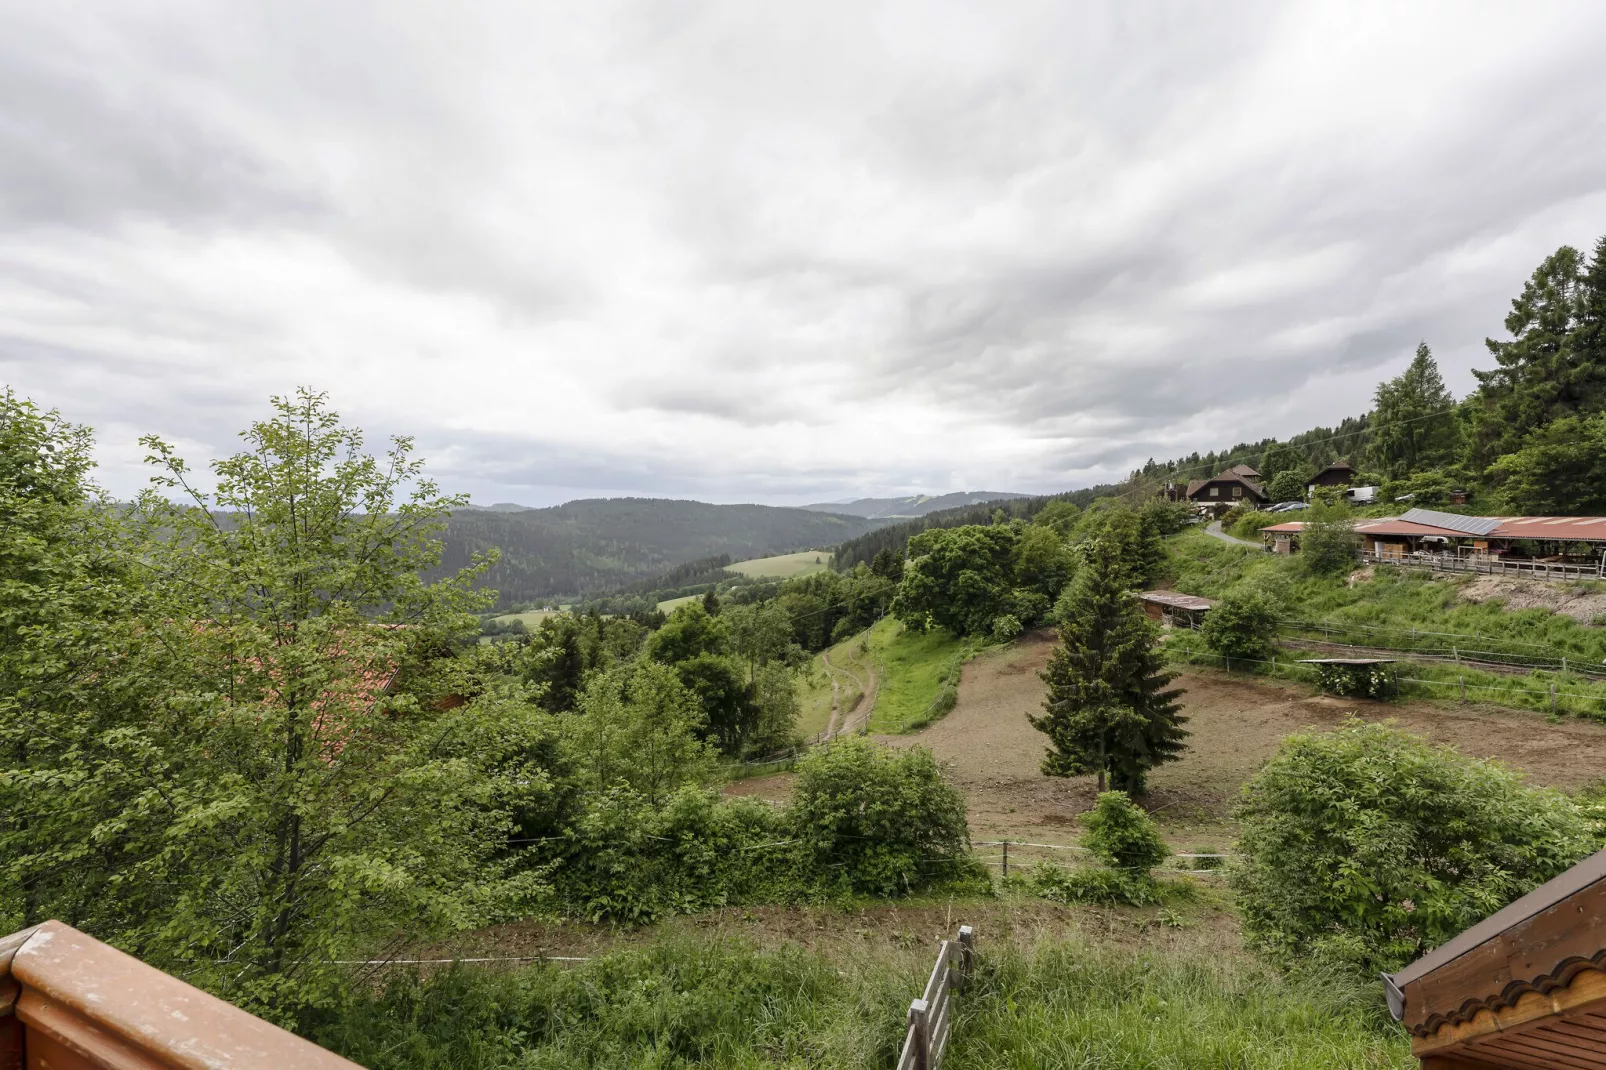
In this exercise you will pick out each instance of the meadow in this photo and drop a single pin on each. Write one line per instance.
(784, 566)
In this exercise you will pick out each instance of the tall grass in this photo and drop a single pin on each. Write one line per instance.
(690, 1002)
(1068, 1004)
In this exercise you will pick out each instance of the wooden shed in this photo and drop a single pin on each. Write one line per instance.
(1521, 990)
(1181, 610)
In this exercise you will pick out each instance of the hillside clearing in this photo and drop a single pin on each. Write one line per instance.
(784, 566)
(669, 605)
(1236, 721)
(532, 618)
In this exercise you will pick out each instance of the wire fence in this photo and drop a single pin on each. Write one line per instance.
(1583, 698)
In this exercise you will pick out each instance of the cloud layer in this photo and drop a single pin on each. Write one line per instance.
(775, 252)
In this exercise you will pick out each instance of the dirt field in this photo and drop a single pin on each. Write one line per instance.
(1236, 721)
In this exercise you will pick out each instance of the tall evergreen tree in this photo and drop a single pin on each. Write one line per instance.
(1414, 422)
(1108, 710)
(1545, 372)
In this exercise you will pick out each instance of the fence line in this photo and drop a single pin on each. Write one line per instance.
(1486, 565)
(931, 1016)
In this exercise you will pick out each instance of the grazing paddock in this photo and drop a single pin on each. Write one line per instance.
(785, 566)
(669, 605)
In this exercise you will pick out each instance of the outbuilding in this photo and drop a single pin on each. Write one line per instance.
(1179, 610)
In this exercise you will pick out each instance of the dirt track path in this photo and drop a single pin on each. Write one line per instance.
(843, 721)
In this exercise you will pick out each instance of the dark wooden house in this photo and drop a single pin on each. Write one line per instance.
(1521, 990)
(1226, 490)
(1180, 610)
(1337, 474)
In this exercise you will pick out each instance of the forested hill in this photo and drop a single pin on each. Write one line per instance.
(601, 544)
(913, 505)
(863, 548)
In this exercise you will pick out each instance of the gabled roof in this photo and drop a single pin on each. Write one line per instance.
(1175, 600)
(1229, 476)
(1245, 471)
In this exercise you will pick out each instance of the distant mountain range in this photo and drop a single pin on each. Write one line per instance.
(912, 506)
(602, 544)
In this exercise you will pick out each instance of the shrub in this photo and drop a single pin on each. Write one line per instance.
(879, 821)
(1242, 625)
(1248, 525)
(1122, 835)
(626, 860)
(1112, 887)
(1356, 681)
(1327, 543)
(1006, 627)
(1370, 846)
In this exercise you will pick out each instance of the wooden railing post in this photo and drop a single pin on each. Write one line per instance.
(920, 1034)
(967, 953)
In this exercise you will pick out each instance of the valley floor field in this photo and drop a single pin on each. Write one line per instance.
(1237, 722)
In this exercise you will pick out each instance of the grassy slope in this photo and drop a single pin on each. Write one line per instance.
(710, 1001)
(785, 566)
(1397, 600)
(532, 618)
(911, 669)
(669, 605)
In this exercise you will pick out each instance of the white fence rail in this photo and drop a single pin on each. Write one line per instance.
(931, 1016)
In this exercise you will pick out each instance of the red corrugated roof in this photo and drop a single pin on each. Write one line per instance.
(1569, 528)
(1554, 528)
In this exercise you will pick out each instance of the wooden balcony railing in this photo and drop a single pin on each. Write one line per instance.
(70, 1002)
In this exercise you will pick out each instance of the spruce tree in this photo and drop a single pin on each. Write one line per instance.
(1108, 711)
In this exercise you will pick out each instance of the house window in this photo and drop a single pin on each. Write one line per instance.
(1215, 492)
(1237, 492)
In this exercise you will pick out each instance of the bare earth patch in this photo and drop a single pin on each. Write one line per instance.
(1563, 598)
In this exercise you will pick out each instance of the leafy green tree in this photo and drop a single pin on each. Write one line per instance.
(689, 633)
(1283, 457)
(878, 820)
(1043, 563)
(1108, 710)
(728, 711)
(638, 727)
(759, 634)
(284, 790)
(1414, 422)
(1545, 372)
(1166, 518)
(1561, 469)
(1328, 542)
(711, 603)
(1243, 624)
(958, 578)
(1372, 846)
(67, 586)
(1059, 516)
(1122, 835)
(888, 564)
(776, 710)
(1287, 486)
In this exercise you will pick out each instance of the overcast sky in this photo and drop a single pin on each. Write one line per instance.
(773, 252)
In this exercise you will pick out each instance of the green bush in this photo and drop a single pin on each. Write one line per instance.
(1356, 681)
(1288, 486)
(1006, 627)
(1243, 624)
(1247, 525)
(1122, 835)
(881, 821)
(1370, 845)
(1327, 544)
(626, 860)
(1111, 887)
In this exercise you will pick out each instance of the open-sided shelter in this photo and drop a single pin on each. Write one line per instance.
(1524, 989)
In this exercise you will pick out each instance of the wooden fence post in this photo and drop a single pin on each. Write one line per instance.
(1006, 858)
(922, 1037)
(1552, 696)
(1463, 690)
(967, 952)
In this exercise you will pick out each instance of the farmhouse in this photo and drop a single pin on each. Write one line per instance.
(1554, 545)
(1240, 483)
(1525, 987)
